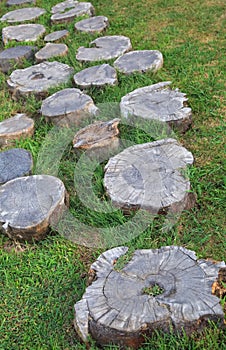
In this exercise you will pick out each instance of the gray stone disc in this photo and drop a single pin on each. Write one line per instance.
(68, 107)
(158, 102)
(15, 128)
(39, 78)
(100, 75)
(15, 162)
(92, 25)
(51, 50)
(19, 2)
(54, 36)
(104, 48)
(22, 15)
(139, 61)
(15, 55)
(79, 9)
(63, 6)
(23, 32)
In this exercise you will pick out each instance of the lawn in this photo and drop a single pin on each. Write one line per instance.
(40, 282)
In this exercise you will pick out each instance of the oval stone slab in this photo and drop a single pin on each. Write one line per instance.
(79, 9)
(23, 32)
(92, 25)
(15, 128)
(19, 2)
(54, 36)
(96, 76)
(14, 163)
(63, 6)
(15, 55)
(104, 48)
(158, 102)
(39, 78)
(30, 205)
(51, 50)
(139, 61)
(68, 107)
(22, 15)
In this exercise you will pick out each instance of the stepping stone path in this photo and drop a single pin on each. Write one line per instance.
(92, 25)
(104, 48)
(39, 78)
(15, 163)
(75, 9)
(96, 76)
(15, 128)
(149, 176)
(15, 55)
(22, 15)
(158, 102)
(68, 107)
(51, 50)
(54, 36)
(30, 205)
(139, 61)
(19, 2)
(23, 32)
(161, 289)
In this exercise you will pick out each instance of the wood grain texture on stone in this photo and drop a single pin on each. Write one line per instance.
(30, 205)
(57, 35)
(23, 32)
(15, 56)
(38, 79)
(15, 128)
(150, 176)
(158, 102)
(98, 76)
(68, 107)
(161, 289)
(23, 14)
(79, 9)
(20, 2)
(51, 50)
(104, 48)
(96, 24)
(63, 6)
(15, 162)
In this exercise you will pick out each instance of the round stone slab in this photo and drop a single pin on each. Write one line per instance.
(63, 6)
(14, 163)
(54, 36)
(22, 15)
(149, 176)
(15, 128)
(39, 78)
(30, 205)
(23, 32)
(68, 107)
(100, 75)
(15, 55)
(51, 50)
(92, 25)
(158, 102)
(79, 9)
(139, 61)
(19, 2)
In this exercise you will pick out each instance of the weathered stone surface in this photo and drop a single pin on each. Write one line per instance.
(22, 15)
(68, 107)
(19, 2)
(23, 32)
(96, 76)
(92, 25)
(63, 6)
(15, 128)
(104, 48)
(54, 36)
(15, 55)
(30, 205)
(139, 61)
(158, 102)
(38, 79)
(14, 163)
(161, 289)
(149, 176)
(79, 9)
(51, 50)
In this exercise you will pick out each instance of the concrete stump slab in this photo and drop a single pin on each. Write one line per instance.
(15, 56)
(96, 76)
(79, 9)
(19, 2)
(15, 128)
(22, 15)
(92, 25)
(51, 50)
(63, 6)
(54, 36)
(23, 32)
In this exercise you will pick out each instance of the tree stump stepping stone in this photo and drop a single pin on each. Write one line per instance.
(158, 102)
(63, 6)
(39, 78)
(68, 107)
(30, 205)
(157, 289)
(92, 25)
(139, 61)
(51, 50)
(15, 128)
(104, 48)
(150, 176)
(22, 15)
(15, 55)
(79, 9)
(98, 76)
(57, 35)
(15, 162)
(23, 32)
(19, 2)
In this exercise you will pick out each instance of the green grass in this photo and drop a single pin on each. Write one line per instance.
(40, 283)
